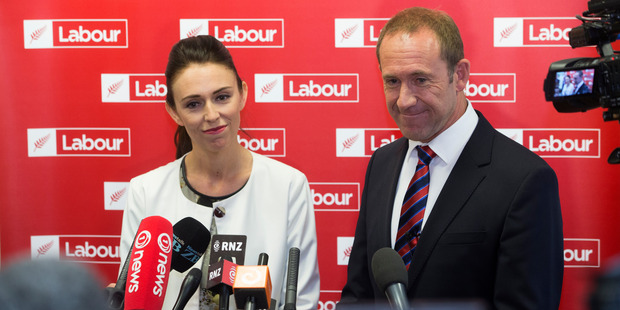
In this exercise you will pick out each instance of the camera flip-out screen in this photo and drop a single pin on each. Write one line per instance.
(573, 82)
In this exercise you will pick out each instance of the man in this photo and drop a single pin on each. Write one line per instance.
(492, 224)
(580, 86)
(50, 284)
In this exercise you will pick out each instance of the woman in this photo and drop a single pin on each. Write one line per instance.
(264, 199)
(567, 88)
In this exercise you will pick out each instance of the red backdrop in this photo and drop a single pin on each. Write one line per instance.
(83, 92)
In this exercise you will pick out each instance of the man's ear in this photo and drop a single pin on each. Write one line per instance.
(461, 74)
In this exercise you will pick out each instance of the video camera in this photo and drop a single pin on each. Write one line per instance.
(581, 84)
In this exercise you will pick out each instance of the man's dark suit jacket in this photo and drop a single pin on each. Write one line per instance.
(494, 234)
(583, 89)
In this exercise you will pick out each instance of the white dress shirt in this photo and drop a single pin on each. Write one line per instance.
(448, 146)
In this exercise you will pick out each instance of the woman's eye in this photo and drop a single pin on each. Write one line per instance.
(192, 104)
(222, 97)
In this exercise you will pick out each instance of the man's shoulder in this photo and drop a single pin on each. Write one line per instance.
(513, 155)
(503, 150)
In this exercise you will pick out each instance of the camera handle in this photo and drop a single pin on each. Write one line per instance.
(614, 157)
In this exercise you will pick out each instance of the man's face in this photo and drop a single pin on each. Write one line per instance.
(578, 78)
(418, 92)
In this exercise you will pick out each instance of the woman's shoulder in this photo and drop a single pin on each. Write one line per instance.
(159, 173)
(264, 164)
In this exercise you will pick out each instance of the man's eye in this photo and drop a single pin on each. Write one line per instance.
(391, 82)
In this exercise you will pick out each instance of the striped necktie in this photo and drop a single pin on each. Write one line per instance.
(414, 203)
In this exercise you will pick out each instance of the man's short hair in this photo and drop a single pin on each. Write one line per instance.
(441, 24)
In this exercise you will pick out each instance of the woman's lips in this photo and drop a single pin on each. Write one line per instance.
(215, 130)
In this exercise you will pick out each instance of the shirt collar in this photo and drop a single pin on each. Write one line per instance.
(449, 144)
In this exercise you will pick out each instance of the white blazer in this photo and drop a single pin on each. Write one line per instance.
(274, 210)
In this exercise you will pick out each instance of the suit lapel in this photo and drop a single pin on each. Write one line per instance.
(388, 185)
(468, 172)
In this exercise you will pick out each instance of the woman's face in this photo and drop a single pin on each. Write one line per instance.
(208, 103)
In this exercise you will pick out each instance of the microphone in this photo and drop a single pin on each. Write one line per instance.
(252, 287)
(116, 294)
(190, 240)
(188, 288)
(390, 274)
(231, 247)
(290, 299)
(221, 279)
(149, 265)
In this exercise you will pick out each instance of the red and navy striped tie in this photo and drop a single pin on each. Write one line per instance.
(414, 203)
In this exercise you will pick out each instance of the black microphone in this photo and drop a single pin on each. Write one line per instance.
(225, 295)
(231, 247)
(190, 240)
(188, 288)
(263, 259)
(221, 279)
(116, 295)
(390, 274)
(290, 298)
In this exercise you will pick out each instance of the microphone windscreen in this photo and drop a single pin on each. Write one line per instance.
(263, 259)
(388, 268)
(191, 239)
(188, 288)
(290, 296)
(149, 265)
(293, 269)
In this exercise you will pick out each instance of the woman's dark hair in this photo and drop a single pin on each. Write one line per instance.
(194, 50)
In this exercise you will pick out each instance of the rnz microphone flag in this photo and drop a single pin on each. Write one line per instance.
(149, 265)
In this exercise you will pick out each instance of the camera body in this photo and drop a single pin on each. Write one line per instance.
(595, 81)
(581, 84)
